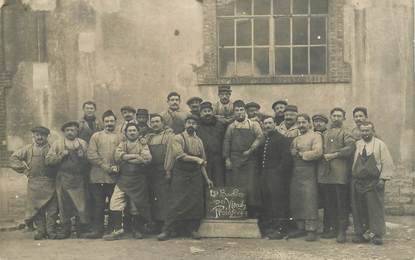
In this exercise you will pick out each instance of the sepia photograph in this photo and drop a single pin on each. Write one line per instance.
(207, 129)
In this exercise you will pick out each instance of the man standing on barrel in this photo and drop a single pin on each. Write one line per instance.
(186, 160)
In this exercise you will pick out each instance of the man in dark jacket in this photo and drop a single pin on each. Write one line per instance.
(89, 124)
(275, 163)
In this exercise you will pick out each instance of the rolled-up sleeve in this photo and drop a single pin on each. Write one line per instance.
(119, 152)
(53, 157)
(145, 154)
(174, 152)
(17, 158)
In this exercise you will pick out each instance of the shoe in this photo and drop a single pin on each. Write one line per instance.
(163, 236)
(115, 235)
(359, 239)
(92, 235)
(296, 233)
(276, 235)
(196, 235)
(341, 237)
(137, 234)
(39, 235)
(329, 234)
(377, 240)
(311, 237)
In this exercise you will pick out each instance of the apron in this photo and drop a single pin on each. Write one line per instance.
(40, 186)
(365, 174)
(244, 172)
(70, 186)
(157, 180)
(133, 181)
(303, 190)
(186, 191)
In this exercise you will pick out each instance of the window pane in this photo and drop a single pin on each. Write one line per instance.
(282, 31)
(282, 61)
(243, 7)
(262, 7)
(300, 31)
(319, 6)
(300, 6)
(243, 32)
(317, 60)
(244, 62)
(317, 30)
(226, 32)
(300, 60)
(261, 31)
(261, 61)
(282, 7)
(225, 7)
(226, 62)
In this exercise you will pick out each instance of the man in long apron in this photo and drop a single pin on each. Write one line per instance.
(69, 155)
(41, 206)
(275, 162)
(212, 131)
(174, 117)
(158, 179)
(242, 139)
(306, 150)
(334, 175)
(373, 166)
(186, 160)
(131, 190)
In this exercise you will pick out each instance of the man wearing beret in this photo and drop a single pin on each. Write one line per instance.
(142, 121)
(41, 206)
(69, 156)
(359, 116)
(242, 138)
(334, 175)
(289, 127)
(89, 124)
(212, 131)
(101, 184)
(224, 107)
(129, 115)
(279, 108)
(174, 117)
(194, 105)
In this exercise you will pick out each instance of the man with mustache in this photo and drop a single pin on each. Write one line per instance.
(223, 109)
(194, 105)
(186, 160)
(372, 167)
(212, 131)
(174, 117)
(69, 156)
(89, 124)
(158, 178)
(320, 122)
(275, 162)
(279, 108)
(288, 127)
(252, 111)
(101, 184)
(129, 115)
(41, 205)
(142, 117)
(306, 150)
(242, 138)
(334, 174)
(359, 116)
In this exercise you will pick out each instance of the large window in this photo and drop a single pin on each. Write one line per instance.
(268, 38)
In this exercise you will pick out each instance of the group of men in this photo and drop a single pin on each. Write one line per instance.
(151, 171)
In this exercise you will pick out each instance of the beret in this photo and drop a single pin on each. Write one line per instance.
(194, 99)
(40, 130)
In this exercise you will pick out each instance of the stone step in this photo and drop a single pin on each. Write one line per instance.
(246, 228)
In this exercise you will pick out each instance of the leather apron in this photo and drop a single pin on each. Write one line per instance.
(365, 174)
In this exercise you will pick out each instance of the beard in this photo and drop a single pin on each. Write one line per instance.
(190, 130)
(208, 120)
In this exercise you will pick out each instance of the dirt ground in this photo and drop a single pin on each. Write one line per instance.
(399, 244)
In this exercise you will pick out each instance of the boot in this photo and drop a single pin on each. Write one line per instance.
(359, 239)
(118, 232)
(137, 226)
(115, 235)
(377, 240)
(311, 236)
(65, 231)
(275, 235)
(341, 237)
(163, 236)
(329, 234)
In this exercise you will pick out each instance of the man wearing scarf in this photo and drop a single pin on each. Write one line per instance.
(89, 124)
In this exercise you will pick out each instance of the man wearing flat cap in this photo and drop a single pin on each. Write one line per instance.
(223, 108)
(194, 105)
(359, 116)
(174, 117)
(289, 127)
(252, 111)
(279, 108)
(242, 138)
(212, 131)
(128, 113)
(334, 175)
(41, 206)
(69, 156)
(142, 121)
(320, 122)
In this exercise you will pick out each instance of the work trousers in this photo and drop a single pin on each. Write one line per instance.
(99, 193)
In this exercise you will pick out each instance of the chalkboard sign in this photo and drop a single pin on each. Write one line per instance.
(226, 203)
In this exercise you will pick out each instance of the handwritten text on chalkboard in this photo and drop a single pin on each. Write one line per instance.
(226, 203)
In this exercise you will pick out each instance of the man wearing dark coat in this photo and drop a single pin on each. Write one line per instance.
(212, 131)
(142, 117)
(275, 162)
(279, 108)
(89, 124)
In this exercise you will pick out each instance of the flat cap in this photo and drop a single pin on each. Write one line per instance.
(283, 102)
(321, 117)
(253, 104)
(206, 104)
(41, 130)
(128, 108)
(69, 124)
(192, 99)
(239, 103)
(224, 88)
(292, 108)
(142, 112)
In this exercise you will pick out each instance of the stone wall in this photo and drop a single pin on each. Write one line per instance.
(400, 193)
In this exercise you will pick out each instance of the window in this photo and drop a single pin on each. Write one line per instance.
(270, 38)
